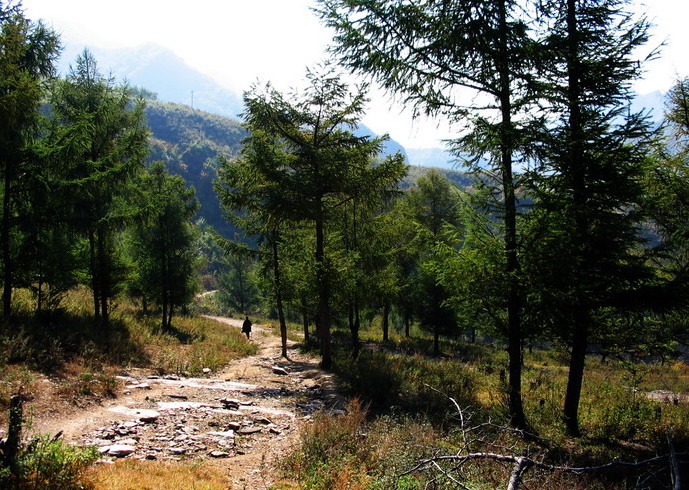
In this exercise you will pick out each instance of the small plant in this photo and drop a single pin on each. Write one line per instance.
(50, 464)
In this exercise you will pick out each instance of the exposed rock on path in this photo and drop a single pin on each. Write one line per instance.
(244, 418)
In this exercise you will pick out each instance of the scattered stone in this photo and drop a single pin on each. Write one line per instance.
(177, 450)
(249, 430)
(226, 434)
(128, 442)
(230, 403)
(141, 386)
(177, 396)
(275, 431)
(148, 416)
(234, 426)
(280, 371)
(218, 454)
(311, 384)
(206, 370)
(118, 450)
(263, 420)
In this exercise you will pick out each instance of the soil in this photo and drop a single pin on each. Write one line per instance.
(245, 418)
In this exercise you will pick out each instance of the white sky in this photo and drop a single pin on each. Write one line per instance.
(240, 41)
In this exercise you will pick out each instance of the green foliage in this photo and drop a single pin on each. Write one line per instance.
(415, 384)
(163, 242)
(237, 285)
(26, 59)
(300, 165)
(98, 138)
(191, 143)
(44, 463)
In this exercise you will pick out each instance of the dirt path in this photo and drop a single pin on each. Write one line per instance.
(245, 417)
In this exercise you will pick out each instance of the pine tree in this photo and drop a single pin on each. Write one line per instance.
(318, 164)
(26, 60)
(431, 53)
(163, 243)
(589, 192)
(100, 130)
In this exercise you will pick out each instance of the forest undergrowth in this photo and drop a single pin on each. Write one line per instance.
(409, 410)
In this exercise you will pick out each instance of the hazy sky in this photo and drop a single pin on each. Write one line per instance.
(240, 41)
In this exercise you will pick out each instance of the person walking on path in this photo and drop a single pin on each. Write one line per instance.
(246, 328)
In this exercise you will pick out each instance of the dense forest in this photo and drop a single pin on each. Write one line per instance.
(562, 242)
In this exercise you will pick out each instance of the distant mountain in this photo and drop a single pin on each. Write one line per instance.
(190, 141)
(431, 157)
(160, 70)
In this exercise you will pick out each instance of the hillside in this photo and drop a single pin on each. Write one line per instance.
(189, 141)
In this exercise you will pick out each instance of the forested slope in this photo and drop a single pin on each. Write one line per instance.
(190, 141)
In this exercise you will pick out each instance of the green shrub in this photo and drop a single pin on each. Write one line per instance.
(48, 464)
(415, 384)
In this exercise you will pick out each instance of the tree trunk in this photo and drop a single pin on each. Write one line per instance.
(576, 373)
(104, 279)
(323, 294)
(436, 340)
(278, 294)
(386, 320)
(577, 175)
(514, 335)
(6, 249)
(407, 323)
(95, 281)
(305, 319)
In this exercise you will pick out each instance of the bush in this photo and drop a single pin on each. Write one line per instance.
(348, 452)
(48, 464)
(415, 384)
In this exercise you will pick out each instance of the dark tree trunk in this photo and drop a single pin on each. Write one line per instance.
(323, 295)
(104, 276)
(10, 449)
(6, 249)
(436, 340)
(278, 294)
(576, 172)
(305, 318)
(386, 320)
(95, 280)
(514, 335)
(576, 373)
(407, 323)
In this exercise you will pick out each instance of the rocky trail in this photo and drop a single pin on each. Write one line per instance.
(245, 417)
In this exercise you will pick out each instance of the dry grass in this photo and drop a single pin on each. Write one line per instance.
(156, 475)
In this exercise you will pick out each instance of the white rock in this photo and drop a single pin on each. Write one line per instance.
(120, 450)
(218, 454)
(147, 415)
(228, 434)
